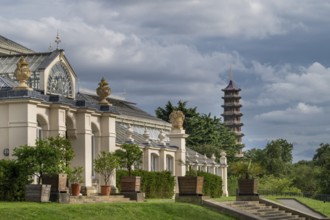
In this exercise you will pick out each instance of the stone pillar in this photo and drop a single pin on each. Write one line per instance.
(57, 120)
(108, 132)
(83, 145)
(162, 160)
(20, 118)
(178, 139)
(108, 140)
(223, 168)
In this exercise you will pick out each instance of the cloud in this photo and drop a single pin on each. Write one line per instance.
(291, 115)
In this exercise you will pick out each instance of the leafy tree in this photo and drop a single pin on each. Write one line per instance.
(49, 156)
(129, 155)
(164, 113)
(322, 155)
(277, 185)
(105, 164)
(277, 157)
(207, 135)
(322, 160)
(304, 176)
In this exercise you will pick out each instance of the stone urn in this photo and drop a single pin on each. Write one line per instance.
(103, 91)
(22, 74)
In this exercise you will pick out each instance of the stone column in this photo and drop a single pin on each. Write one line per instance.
(20, 118)
(223, 168)
(83, 145)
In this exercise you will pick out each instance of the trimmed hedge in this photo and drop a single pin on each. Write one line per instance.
(212, 184)
(154, 184)
(12, 181)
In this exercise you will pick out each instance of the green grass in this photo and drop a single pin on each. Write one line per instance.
(317, 205)
(152, 209)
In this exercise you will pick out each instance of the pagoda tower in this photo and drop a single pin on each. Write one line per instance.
(232, 109)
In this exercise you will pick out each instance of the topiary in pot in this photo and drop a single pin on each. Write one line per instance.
(105, 164)
(129, 155)
(75, 178)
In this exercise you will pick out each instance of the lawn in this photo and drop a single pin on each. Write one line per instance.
(152, 209)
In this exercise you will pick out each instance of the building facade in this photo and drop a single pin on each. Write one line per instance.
(46, 104)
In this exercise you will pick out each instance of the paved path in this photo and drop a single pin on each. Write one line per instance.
(292, 203)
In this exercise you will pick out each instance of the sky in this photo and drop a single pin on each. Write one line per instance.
(154, 51)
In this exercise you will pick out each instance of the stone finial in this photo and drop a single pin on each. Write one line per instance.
(103, 91)
(177, 118)
(213, 157)
(22, 74)
(129, 133)
(146, 136)
(162, 137)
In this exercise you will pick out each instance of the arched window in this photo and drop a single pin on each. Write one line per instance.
(169, 163)
(39, 133)
(154, 162)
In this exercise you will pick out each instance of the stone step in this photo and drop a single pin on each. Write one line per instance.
(98, 199)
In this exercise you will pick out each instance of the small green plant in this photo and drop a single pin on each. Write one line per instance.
(246, 169)
(75, 175)
(105, 164)
(129, 155)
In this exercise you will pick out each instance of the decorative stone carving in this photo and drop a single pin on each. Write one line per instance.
(177, 118)
(103, 91)
(129, 133)
(22, 74)
(146, 136)
(162, 137)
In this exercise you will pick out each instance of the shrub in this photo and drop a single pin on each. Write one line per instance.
(212, 184)
(277, 185)
(12, 181)
(154, 184)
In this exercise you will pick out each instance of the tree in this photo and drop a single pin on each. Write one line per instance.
(207, 135)
(105, 164)
(49, 156)
(322, 160)
(164, 113)
(277, 157)
(129, 155)
(322, 155)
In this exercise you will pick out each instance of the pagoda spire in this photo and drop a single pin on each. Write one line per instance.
(231, 73)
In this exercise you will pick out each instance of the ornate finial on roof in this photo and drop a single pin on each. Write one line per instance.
(177, 118)
(162, 137)
(50, 47)
(103, 91)
(22, 74)
(57, 40)
(129, 133)
(146, 136)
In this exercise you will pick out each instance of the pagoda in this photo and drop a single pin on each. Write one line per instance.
(232, 109)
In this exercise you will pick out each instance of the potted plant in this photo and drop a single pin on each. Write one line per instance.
(247, 173)
(75, 178)
(191, 184)
(59, 180)
(38, 161)
(105, 164)
(129, 155)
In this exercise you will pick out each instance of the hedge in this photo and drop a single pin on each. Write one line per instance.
(12, 181)
(212, 184)
(154, 184)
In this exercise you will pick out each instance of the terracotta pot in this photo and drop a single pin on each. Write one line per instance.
(105, 190)
(75, 189)
(191, 185)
